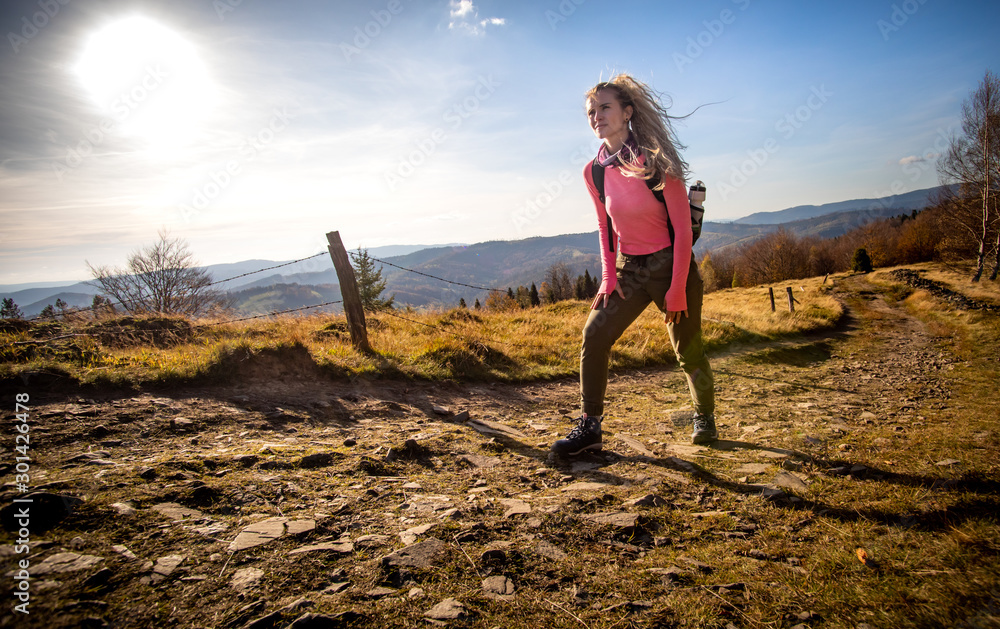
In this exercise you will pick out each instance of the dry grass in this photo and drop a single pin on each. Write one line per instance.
(515, 346)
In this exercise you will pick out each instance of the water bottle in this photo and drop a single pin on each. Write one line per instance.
(697, 194)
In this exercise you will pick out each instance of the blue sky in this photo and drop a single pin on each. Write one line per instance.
(252, 128)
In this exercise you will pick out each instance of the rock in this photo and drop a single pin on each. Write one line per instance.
(409, 536)
(948, 463)
(495, 429)
(448, 609)
(124, 552)
(336, 588)
(622, 520)
(441, 410)
(300, 527)
(319, 459)
(259, 533)
(245, 579)
(790, 481)
(635, 444)
(177, 512)
(672, 575)
(380, 592)
(420, 555)
(147, 473)
(246, 460)
(498, 588)
(551, 551)
(478, 460)
(99, 580)
(65, 562)
(166, 565)
(515, 507)
(372, 541)
(649, 500)
(124, 508)
(265, 622)
(350, 442)
(344, 548)
(585, 486)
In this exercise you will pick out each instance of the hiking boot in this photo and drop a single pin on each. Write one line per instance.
(585, 436)
(704, 429)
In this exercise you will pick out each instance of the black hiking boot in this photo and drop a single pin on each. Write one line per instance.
(585, 436)
(704, 429)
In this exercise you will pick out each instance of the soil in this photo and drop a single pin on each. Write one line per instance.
(349, 472)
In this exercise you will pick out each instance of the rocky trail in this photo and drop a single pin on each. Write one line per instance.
(290, 502)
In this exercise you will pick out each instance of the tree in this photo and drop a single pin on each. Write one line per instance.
(972, 160)
(533, 294)
(462, 304)
(9, 309)
(160, 279)
(861, 263)
(560, 286)
(370, 282)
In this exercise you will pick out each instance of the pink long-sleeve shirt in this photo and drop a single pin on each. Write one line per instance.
(640, 226)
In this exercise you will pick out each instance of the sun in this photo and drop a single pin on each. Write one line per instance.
(149, 82)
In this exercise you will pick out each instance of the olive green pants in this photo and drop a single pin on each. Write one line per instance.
(645, 279)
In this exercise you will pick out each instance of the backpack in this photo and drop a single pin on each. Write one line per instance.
(697, 213)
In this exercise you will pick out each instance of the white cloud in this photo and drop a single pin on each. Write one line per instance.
(916, 159)
(464, 16)
(462, 8)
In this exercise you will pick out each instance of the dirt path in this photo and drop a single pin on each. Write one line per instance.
(170, 481)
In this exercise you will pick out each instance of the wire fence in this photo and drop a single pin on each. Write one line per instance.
(109, 305)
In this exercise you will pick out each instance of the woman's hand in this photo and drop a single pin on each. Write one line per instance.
(602, 298)
(674, 316)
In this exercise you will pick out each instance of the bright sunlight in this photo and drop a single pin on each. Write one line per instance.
(149, 81)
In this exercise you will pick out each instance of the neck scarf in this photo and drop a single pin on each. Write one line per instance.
(627, 154)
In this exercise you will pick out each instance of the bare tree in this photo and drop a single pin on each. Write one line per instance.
(559, 283)
(973, 162)
(159, 279)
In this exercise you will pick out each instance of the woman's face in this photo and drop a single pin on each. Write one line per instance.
(608, 119)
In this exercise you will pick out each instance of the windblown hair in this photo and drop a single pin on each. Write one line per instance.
(651, 127)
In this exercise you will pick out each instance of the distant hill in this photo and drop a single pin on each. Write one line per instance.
(471, 269)
(897, 204)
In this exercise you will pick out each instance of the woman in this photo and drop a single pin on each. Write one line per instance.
(654, 262)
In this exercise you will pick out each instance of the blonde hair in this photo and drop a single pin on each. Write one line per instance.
(651, 127)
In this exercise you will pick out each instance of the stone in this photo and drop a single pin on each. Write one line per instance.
(948, 463)
(300, 527)
(420, 555)
(166, 565)
(441, 410)
(448, 609)
(124, 508)
(787, 480)
(622, 520)
(246, 460)
(65, 562)
(550, 551)
(380, 592)
(478, 460)
(585, 486)
(177, 512)
(752, 468)
(336, 588)
(498, 588)
(323, 621)
(635, 444)
(344, 548)
(246, 578)
(495, 429)
(124, 552)
(649, 500)
(515, 507)
(409, 536)
(259, 533)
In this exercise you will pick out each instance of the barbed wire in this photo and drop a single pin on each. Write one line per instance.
(270, 314)
(270, 268)
(403, 268)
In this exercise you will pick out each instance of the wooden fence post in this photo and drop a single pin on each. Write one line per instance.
(791, 299)
(349, 293)
(770, 292)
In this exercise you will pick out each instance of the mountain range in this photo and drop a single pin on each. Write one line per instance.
(472, 269)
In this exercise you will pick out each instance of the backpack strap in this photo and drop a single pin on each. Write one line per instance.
(597, 174)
